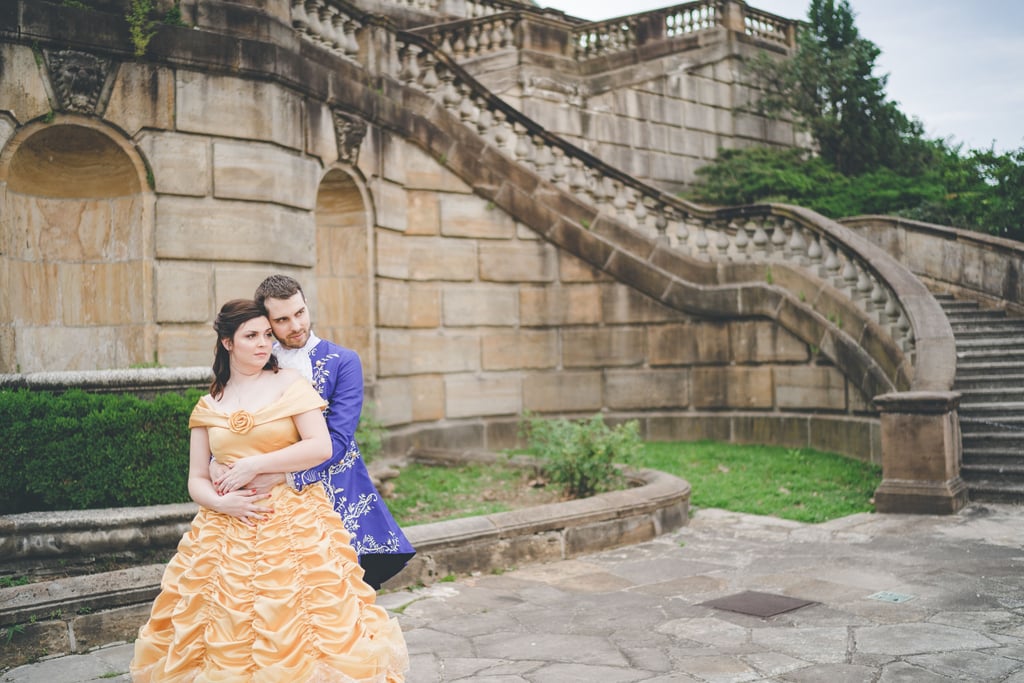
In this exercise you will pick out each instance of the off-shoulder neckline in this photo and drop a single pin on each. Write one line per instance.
(284, 393)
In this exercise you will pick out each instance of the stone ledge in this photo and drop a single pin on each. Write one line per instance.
(116, 602)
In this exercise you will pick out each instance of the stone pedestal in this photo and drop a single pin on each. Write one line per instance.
(921, 453)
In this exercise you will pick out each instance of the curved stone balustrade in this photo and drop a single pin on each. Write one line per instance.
(474, 37)
(331, 25)
(795, 238)
(983, 265)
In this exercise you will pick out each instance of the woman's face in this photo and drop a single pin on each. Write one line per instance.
(252, 342)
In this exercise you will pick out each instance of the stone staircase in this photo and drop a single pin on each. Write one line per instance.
(990, 376)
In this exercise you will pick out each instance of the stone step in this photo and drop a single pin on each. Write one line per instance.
(986, 491)
(995, 455)
(990, 342)
(1008, 329)
(980, 395)
(980, 315)
(955, 306)
(989, 438)
(970, 368)
(974, 356)
(999, 411)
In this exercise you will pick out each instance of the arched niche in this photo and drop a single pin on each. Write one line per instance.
(75, 263)
(342, 308)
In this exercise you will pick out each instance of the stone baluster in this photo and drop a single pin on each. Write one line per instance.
(878, 298)
(578, 179)
(484, 38)
(797, 245)
(544, 159)
(503, 133)
(484, 120)
(299, 20)
(815, 256)
(849, 277)
(863, 286)
(722, 242)
(410, 65)
(458, 46)
(620, 202)
(329, 37)
(701, 241)
(467, 109)
(429, 80)
(472, 43)
(523, 150)
(313, 20)
(742, 242)
(449, 92)
(501, 35)
(760, 241)
(778, 242)
(661, 221)
(683, 233)
(560, 171)
(832, 264)
(349, 27)
(640, 214)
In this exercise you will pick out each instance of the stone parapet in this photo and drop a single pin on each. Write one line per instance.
(79, 613)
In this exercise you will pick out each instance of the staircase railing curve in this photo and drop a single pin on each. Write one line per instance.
(798, 238)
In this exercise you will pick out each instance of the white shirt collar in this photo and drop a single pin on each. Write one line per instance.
(297, 359)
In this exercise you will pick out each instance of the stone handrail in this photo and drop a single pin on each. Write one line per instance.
(770, 234)
(983, 265)
(474, 37)
(905, 323)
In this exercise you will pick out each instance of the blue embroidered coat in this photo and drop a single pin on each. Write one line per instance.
(382, 547)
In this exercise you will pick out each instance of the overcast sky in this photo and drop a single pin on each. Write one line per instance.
(957, 65)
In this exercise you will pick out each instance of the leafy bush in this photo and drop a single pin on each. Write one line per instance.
(77, 450)
(582, 456)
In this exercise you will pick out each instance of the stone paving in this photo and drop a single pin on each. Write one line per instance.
(895, 598)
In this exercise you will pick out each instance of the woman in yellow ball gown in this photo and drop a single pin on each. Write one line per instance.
(264, 588)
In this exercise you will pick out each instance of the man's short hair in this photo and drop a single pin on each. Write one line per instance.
(278, 287)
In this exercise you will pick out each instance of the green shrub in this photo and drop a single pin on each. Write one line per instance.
(76, 450)
(582, 456)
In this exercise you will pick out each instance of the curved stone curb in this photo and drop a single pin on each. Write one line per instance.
(79, 613)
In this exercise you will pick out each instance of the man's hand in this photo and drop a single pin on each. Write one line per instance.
(245, 506)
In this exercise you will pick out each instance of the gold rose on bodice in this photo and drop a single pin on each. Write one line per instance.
(241, 422)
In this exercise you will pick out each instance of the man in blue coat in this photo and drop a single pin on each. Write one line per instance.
(337, 374)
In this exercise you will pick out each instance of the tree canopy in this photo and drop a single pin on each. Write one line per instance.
(868, 156)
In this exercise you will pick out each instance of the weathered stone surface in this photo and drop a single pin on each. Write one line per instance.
(771, 429)
(36, 640)
(573, 269)
(479, 305)
(321, 139)
(238, 108)
(688, 428)
(518, 262)
(697, 343)
(408, 304)
(242, 231)
(464, 215)
(25, 94)
(264, 173)
(469, 396)
(557, 305)
(423, 213)
(647, 389)
(732, 387)
(857, 438)
(603, 347)
(821, 388)
(142, 97)
(185, 345)
(425, 258)
(764, 342)
(621, 304)
(109, 626)
(416, 353)
(562, 392)
(520, 349)
(180, 163)
(175, 284)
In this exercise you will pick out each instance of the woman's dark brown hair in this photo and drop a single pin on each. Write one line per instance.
(233, 315)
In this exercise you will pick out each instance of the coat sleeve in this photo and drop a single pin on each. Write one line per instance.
(339, 378)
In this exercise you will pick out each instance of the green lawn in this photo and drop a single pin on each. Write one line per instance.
(798, 484)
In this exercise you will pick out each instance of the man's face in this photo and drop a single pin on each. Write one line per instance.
(289, 319)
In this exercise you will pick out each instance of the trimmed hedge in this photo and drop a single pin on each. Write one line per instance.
(77, 450)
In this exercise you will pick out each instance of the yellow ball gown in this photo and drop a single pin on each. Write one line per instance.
(279, 602)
